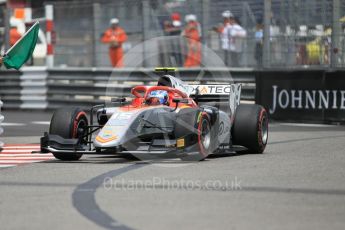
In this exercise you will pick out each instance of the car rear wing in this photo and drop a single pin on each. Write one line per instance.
(217, 93)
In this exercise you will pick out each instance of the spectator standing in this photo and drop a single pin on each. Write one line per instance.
(192, 32)
(236, 35)
(173, 29)
(327, 44)
(259, 43)
(224, 37)
(301, 55)
(115, 36)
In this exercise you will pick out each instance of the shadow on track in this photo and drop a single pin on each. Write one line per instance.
(84, 201)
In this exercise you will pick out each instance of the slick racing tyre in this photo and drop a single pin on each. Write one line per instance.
(66, 122)
(194, 126)
(250, 128)
(204, 135)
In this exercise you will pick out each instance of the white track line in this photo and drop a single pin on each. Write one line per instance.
(19, 151)
(303, 125)
(22, 147)
(19, 161)
(6, 166)
(24, 159)
(12, 124)
(40, 122)
(26, 155)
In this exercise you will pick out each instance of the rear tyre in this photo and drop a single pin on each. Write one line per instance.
(66, 122)
(250, 128)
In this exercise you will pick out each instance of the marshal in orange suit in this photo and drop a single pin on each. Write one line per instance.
(115, 36)
(14, 35)
(192, 33)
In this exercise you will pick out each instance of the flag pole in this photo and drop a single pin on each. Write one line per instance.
(9, 50)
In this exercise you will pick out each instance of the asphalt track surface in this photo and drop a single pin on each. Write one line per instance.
(298, 183)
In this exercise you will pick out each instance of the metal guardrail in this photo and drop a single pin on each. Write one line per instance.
(33, 88)
(1, 129)
(48, 89)
(10, 89)
(89, 86)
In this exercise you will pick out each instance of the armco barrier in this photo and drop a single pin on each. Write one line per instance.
(33, 93)
(303, 95)
(1, 129)
(10, 89)
(39, 88)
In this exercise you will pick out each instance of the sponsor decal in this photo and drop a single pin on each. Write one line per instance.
(199, 117)
(315, 95)
(216, 89)
(106, 135)
(306, 99)
(203, 90)
(102, 140)
(184, 106)
(180, 143)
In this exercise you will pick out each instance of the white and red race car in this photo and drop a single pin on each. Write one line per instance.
(162, 121)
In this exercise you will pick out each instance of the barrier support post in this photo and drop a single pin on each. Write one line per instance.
(1, 129)
(267, 36)
(49, 11)
(336, 34)
(145, 28)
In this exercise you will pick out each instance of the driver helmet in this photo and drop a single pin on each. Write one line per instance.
(161, 95)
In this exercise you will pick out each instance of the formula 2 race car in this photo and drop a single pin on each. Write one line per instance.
(162, 121)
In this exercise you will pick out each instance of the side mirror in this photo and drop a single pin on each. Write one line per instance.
(180, 100)
(118, 100)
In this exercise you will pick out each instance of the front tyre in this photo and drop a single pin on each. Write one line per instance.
(204, 135)
(250, 128)
(195, 127)
(68, 123)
